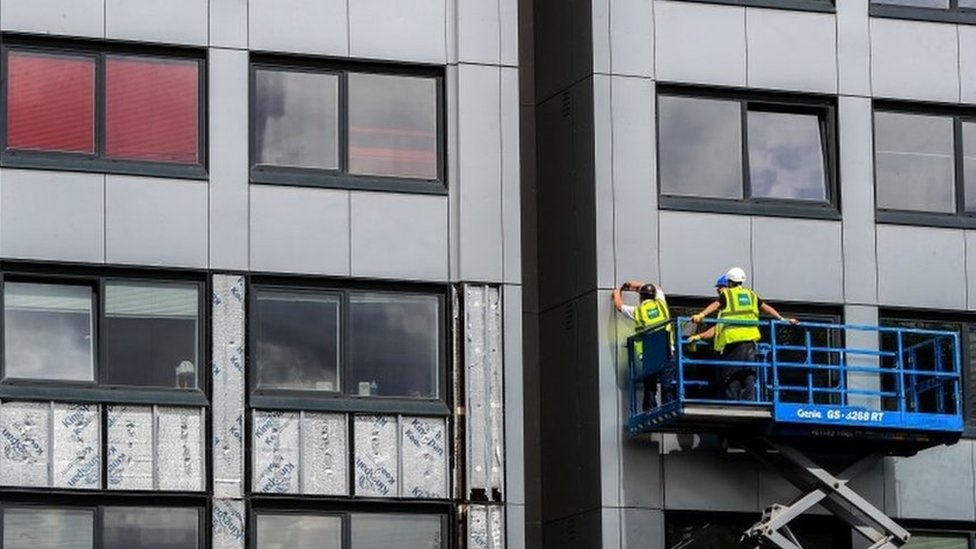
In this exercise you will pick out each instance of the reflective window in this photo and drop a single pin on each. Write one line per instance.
(295, 531)
(298, 340)
(51, 105)
(914, 162)
(952, 11)
(91, 109)
(402, 531)
(34, 528)
(717, 152)
(943, 4)
(969, 163)
(334, 126)
(150, 528)
(354, 342)
(48, 332)
(937, 541)
(296, 119)
(151, 334)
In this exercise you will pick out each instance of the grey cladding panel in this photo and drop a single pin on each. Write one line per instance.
(70, 17)
(228, 23)
(700, 43)
(399, 236)
(911, 60)
(797, 260)
(854, 48)
(690, 260)
(392, 29)
(967, 63)
(172, 21)
(712, 481)
(792, 50)
(934, 484)
(306, 26)
(857, 189)
(921, 267)
(632, 37)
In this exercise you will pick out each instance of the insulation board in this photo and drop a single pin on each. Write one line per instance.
(130, 448)
(25, 432)
(77, 445)
(325, 449)
(228, 524)
(276, 452)
(227, 406)
(376, 456)
(423, 447)
(179, 449)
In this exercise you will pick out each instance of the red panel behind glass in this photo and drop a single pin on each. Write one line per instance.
(151, 110)
(50, 102)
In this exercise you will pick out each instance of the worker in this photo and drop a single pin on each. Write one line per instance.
(736, 340)
(651, 311)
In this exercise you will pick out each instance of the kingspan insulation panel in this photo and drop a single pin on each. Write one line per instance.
(486, 526)
(277, 452)
(179, 449)
(228, 385)
(325, 469)
(77, 445)
(376, 456)
(228, 524)
(130, 448)
(484, 396)
(25, 434)
(423, 448)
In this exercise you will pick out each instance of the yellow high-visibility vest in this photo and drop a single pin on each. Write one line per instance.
(741, 306)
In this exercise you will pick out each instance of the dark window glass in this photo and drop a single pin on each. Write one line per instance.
(943, 4)
(786, 156)
(401, 531)
(50, 102)
(937, 541)
(298, 340)
(150, 528)
(34, 528)
(296, 119)
(393, 126)
(914, 162)
(395, 343)
(151, 335)
(700, 147)
(48, 331)
(151, 110)
(969, 164)
(300, 532)
(724, 531)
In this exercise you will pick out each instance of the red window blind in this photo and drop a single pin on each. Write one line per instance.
(151, 109)
(50, 102)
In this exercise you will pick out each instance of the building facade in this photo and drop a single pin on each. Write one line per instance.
(261, 274)
(825, 147)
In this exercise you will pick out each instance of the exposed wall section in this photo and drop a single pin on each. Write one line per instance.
(486, 527)
(227, 306)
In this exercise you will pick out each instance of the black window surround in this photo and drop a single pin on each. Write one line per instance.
(347, 396)
(340, 177)
(955, 13)
(823, 107)
(826, 6)
(97, 389)
(98, 162)
(958, 219)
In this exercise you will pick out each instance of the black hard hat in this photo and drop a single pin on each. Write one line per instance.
(647, 291)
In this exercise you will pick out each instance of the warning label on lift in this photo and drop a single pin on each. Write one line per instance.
(863, 417)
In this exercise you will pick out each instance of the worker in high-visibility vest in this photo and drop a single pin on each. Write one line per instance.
(736, 339)
(652, 311)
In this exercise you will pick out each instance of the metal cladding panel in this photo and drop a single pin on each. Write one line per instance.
(77, 430)
(484, 400)
(276, 452)
(486, 527)
(228, 524)
(376, 456)
(25, 431)
(424, 457)
(179, 449)
(130, 448)
(325, 447)
(228, 385)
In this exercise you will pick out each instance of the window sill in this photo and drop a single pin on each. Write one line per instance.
(280, 401)
(298, 177)
(765, 208)
(893, 217)
(934, 15)
(821, 6)
(116, 395)
(97, 165)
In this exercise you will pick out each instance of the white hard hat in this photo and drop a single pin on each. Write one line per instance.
(736, 274)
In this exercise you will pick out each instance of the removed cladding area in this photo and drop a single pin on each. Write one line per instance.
(25, 433)
(228, 524)
(484, 393)
(130, 448)
(376, 456)
(276, 452)
(77, 446)
(486, 526)
(325, 468)
(228, 344)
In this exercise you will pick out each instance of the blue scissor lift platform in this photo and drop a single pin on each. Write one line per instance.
(896, 392)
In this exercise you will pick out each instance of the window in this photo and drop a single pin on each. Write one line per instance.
(700, 530)
(30, 527)
(339, 346)
(365, 531)
(102, 332)
(96, 109)
(951, 11)
(770, 155)
(929, 540)
(925, 167)
(347, 126)
(805, 5)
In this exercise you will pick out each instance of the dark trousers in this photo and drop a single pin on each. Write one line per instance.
(739, 382)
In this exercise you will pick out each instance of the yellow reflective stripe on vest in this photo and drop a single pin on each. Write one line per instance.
(741, 305)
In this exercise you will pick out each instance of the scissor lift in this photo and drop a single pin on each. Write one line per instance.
(814, 396)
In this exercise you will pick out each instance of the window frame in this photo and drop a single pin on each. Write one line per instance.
(953, 14)
(95, 390)
(958, 219)
(822, 6)
(262, 505)
(97, 162)
(96, 503)
(787, 103)
(341, 400)
(341, 178)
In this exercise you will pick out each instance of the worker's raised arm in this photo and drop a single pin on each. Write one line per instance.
(618, 300)
(771, 311)
(712, 307)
